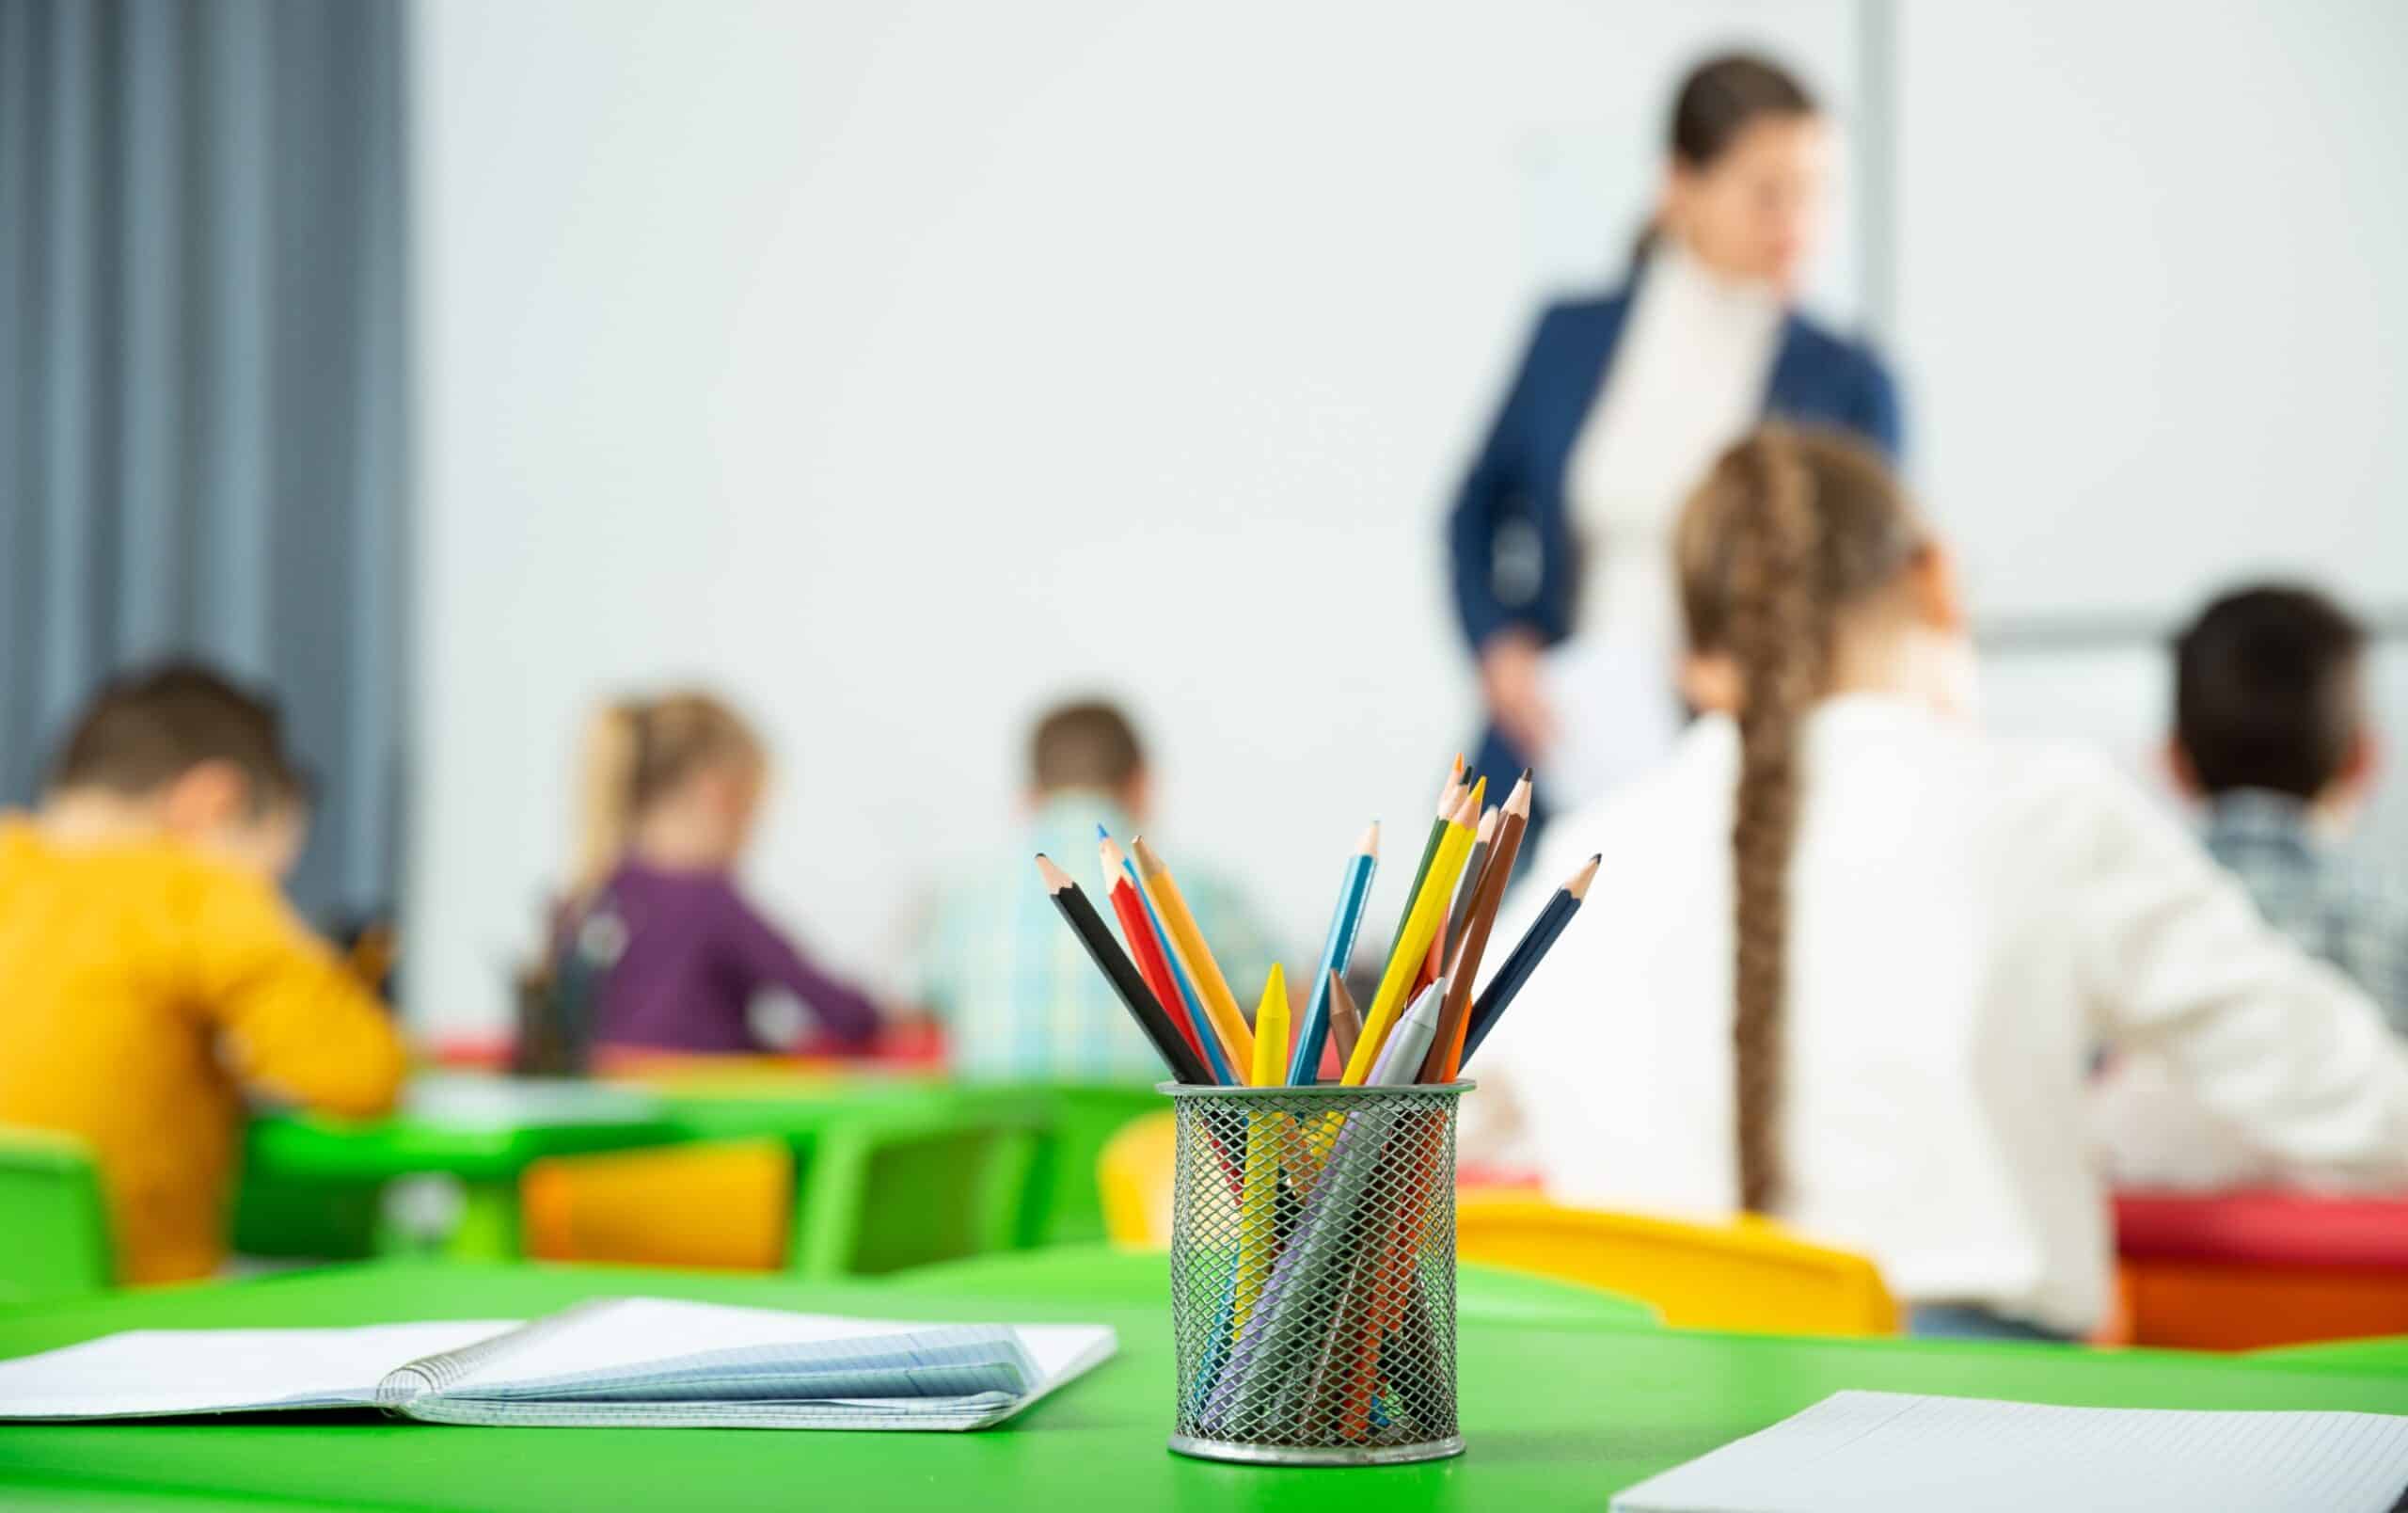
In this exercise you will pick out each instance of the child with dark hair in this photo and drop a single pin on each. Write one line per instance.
(2270, 734)
(152, 971)
(1849, 957)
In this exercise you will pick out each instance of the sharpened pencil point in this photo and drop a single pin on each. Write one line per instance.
(1056, 879)
(1370, 844)
(1578, 886)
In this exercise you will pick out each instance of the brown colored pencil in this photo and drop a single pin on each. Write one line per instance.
(1345, 1020)
(1445, 1062)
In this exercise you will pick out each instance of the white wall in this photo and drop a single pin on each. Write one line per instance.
(896, 367)
(2150, 308)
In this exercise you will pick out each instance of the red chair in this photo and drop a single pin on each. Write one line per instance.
(2243, 1270)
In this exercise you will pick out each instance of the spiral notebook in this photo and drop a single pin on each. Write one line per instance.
(625, 1361)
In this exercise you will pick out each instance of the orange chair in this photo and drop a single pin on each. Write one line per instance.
(1134, 1175)
(1748, 1276)
(721, 1205)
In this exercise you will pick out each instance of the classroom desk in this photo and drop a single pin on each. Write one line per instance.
(478, 1131)
(1558, 1415)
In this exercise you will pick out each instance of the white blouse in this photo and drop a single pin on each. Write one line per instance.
(1688, 378)
(1968, 918)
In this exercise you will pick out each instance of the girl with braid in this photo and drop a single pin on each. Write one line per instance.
(1849, 958)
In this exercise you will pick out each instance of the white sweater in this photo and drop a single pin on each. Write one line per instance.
(1968, 918)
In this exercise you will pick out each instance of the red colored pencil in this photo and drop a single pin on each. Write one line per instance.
(1143, 944)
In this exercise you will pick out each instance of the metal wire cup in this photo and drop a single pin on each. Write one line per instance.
(1312, 1273)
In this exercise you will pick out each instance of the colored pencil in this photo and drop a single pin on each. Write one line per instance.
(1151, 965)
(1258, 1201)
(1186, 1066)
(1405, 958)
(1220, 1006)
(1450, 798)
(1353, 892)
(1445, 1062)
(1460, 914)
(1224, 1075)
(1345, 1020)
(1527, 951)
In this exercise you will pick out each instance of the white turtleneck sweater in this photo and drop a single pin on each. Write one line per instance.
(1688, 378)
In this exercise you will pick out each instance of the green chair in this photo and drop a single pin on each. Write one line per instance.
(1065, 1208)
(878, 1194)
(58, 1236)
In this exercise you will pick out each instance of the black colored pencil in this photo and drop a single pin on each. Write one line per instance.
(1185, 1065)
(1527, 951)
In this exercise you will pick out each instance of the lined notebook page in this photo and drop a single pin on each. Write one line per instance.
(1895, 1452)
(145, 1373)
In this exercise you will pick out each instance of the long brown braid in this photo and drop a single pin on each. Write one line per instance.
(1790, 529)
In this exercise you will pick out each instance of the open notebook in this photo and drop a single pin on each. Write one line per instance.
(1897, 1452)
(637, 1361)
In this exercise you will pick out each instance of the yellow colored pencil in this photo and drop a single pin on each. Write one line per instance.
(1271, 1031)
(1258, 1201)
(1203, 973)
(1420, 926)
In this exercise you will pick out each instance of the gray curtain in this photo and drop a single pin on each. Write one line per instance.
(202, 398)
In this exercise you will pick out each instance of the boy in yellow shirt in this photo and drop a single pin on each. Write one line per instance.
(148, 969)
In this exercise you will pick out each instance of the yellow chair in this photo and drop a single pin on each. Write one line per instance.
(720, 1204)
(1134, 1174)
(1748, 1276)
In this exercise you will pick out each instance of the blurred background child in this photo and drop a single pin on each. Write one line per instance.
(151, 969)
(2272, 735)
(1017, 995)
(1848, 957)
(655, 950)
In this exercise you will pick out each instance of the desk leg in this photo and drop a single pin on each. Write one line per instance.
(488, 1227)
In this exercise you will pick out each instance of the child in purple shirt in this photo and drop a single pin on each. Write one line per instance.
(655, 950)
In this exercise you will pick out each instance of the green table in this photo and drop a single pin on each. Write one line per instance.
(480, 1132)
(2388, 1354)
(1559, 1415)
(1098, 1274)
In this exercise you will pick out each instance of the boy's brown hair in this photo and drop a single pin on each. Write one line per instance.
(1087, 744)
(144, 729)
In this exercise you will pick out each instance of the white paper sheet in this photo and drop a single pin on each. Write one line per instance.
(1897, 1452)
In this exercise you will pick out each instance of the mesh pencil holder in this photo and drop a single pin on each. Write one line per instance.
(1312, 1273)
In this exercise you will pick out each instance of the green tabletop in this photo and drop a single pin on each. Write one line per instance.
(1098, 1273)
(2388, 1353)
(1559, 1415)
(475, 1128)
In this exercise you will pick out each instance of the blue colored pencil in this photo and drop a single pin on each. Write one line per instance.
(1354, 893)
(1220, 1063)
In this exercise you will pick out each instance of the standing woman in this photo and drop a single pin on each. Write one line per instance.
(1621, 405)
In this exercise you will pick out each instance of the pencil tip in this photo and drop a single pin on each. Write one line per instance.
(1056, 879)
(1578, 886)
(1102, 833)
(1370, 844)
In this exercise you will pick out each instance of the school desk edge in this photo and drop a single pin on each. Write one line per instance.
(1556, 1416)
